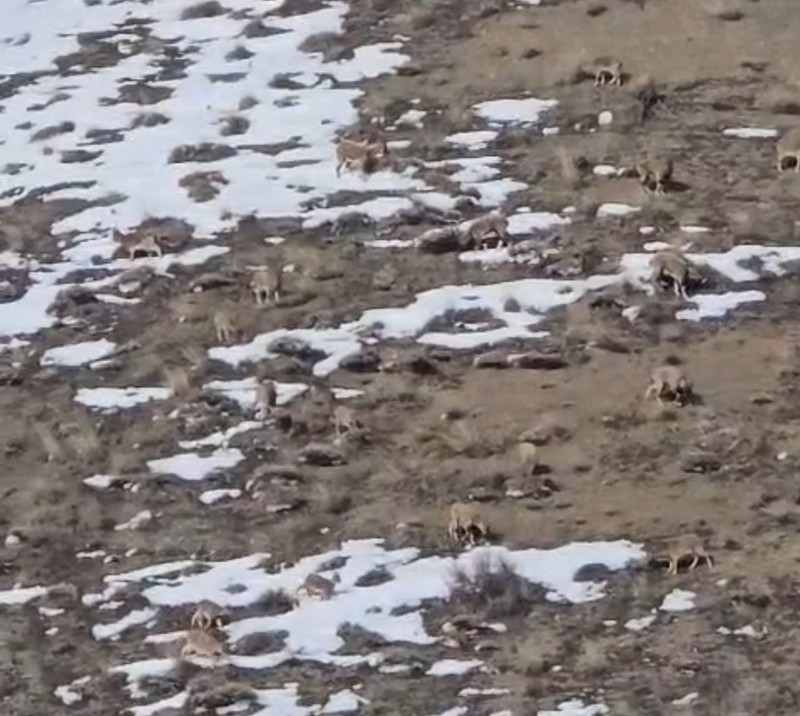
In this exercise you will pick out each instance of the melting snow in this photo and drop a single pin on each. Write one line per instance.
(514, 111)
(101, 482)
(687, 700)
(391, 610)
(453, 667)
(527, 222)
(115, 630)
(343, 701)
(77, 354)
(193, 466)
(604, 170)
(750, 133)
(67, 694)
(222, 437)
(534, 296)
(709, 305)
(576, 708)
(641, 623)
(209, 497)
(110, 400)
(473, 140)
(244, 391)
(678, 600)
(21, 595)
(615, 210)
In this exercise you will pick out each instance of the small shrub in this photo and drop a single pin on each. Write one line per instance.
(496, 589)
(275, 602)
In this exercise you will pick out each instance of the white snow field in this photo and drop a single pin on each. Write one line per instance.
(531, 299)
(310, 631)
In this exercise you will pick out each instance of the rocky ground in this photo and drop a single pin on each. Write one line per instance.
(91, 485)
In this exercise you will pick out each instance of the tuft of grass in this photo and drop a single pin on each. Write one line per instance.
(275, 602)
(494, 588)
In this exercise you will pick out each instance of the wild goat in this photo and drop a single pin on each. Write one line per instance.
(647, 93)
(655, 174)
(466, 524)
(672, 267)
(606, 71)
(266, 398)
(669, 381)
(685, 546)
(344, 420)
(528, 457)
(223, 325)
(351, 152)
(203, 645)
(478, 233)
(316, 586)
(266, 283)
(209, 616)
(148, 244)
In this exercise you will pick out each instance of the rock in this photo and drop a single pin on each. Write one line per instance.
(612, 345)
(364, 362)
(260, 643)
(410, 69)
(208, 281)
(422, 365)
(9, 292)
(538, 361)
(141, 275)
(439, 240)
(374, 577)
(68, 298)
(284, 365)
(525, 247)
(296, 348)
(321, 455)
(596, 572)
(493, 359)
(700, 462)
(282, 473)
(256, 444)
(203, 152)
(351, 222)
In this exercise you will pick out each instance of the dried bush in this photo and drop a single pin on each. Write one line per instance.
(495, 589)
(275, 602)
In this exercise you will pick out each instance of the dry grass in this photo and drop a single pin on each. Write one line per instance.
(275, 602)
(214, 692)
(495, 589)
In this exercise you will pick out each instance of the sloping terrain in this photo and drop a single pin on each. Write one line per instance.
(141, 475)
